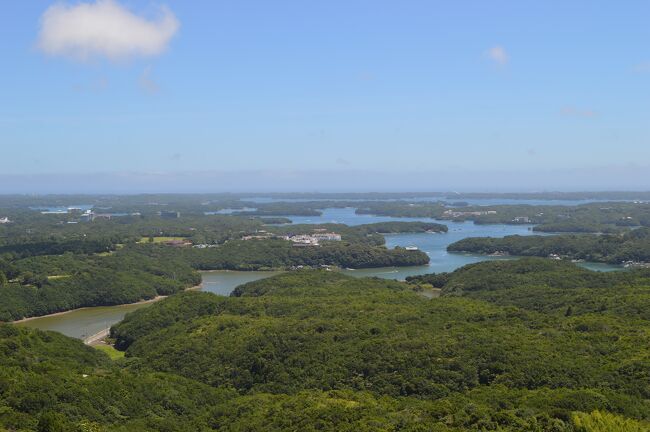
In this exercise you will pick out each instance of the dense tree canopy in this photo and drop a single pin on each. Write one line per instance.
(49, 265)
(319, 351)
(530, 344)
(616, 249)
(306, 331)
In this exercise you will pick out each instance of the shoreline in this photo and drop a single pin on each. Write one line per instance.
(141, 302)
(279, 269)
(23, 320)
(157, 298)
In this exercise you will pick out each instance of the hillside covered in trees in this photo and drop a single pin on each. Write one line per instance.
(631, 246)
(600, 217)
(531, 344)
(509, 346)
(57, 268)
(517, 345)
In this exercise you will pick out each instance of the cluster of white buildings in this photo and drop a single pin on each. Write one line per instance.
(4, 220)
(205, 246)
(327, 236)
(313, 239)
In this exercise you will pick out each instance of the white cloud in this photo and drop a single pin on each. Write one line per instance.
(104, 29)
(498, 55)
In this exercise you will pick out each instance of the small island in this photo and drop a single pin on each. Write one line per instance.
(629, 248)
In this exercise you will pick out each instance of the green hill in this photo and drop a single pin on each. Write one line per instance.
(320, 351)
(518, 367)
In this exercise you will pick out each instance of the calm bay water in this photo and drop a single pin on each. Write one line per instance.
(224, 282)
(82, 323)
(88, 321)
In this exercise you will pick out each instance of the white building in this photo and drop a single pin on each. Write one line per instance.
(304, 240)
(314, 239)
(328, 236)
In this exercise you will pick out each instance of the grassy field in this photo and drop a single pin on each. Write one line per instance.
(55, 277)
(160, 239)
(112, 352)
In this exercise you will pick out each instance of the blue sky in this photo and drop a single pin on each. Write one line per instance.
(417, 95)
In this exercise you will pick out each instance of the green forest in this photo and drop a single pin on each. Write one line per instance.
(48, 267)
(632, 246)
(602, 217)
(46, 284)
(531, 344)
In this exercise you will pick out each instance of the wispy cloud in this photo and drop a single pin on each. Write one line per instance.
(642, 67)
(570, 111)
(147, 83)
(104, 29)
(498, 55)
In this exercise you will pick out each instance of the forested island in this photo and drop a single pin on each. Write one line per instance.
(632, 247)
(532, 344)
(607, 217)
(48, 265)
(56, 255)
